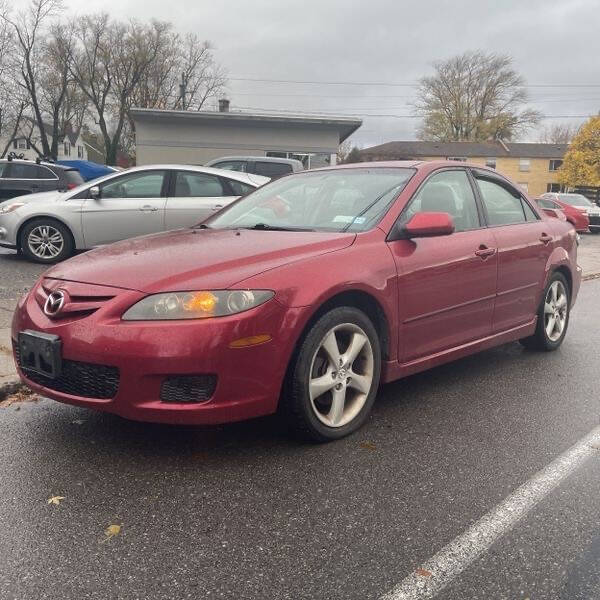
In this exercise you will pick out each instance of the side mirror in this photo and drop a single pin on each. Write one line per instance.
(94, 192)
(429, 224)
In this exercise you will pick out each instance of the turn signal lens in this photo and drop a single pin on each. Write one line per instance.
(253, 340)
(196, 305)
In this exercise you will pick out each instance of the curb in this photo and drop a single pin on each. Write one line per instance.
(590, 276)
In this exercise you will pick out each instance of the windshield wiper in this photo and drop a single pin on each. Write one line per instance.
(265, 227)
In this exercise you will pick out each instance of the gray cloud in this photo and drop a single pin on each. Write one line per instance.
(383, 41)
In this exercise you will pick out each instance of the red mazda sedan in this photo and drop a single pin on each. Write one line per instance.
(301, 297)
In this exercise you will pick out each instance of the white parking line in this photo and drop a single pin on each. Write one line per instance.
(439, 571)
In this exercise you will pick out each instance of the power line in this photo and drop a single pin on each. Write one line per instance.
(391, 84)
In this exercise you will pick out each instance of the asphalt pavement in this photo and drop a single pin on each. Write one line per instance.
(244, 512)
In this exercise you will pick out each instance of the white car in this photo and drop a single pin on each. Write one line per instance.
(49, 227)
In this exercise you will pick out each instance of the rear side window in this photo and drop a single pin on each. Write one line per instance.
(231, 165)
(502, 207)
(197, 185)
(23, 171)
(46, 173)
(239, 188)
(271, 169)
(73, 178)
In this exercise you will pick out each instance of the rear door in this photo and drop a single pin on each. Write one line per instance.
(195, 196)
(446, 284)
(524, 242)
(130, 205)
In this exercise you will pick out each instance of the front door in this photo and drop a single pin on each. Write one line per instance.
(194, 196)
(446, 284)
(524, 243)
(128, 206)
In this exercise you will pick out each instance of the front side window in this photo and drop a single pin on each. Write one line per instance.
(135, 185)
(239, 188)
(449, 192)
(231, 165)
(46, 173)
(23, 171)
(197, 185)
(524, 164)
(555, 164)
(502, 206)
(333, 200)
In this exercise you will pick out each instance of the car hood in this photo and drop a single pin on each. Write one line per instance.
(188, 259)
(38, 197)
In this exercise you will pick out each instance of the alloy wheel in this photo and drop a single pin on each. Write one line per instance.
(45, 241)
(556, 307)
(341, 375)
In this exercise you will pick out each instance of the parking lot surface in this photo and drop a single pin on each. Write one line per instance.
(242, 511)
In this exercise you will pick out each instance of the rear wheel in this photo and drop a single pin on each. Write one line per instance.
(46, 241)
(553, 316)
(334, 379)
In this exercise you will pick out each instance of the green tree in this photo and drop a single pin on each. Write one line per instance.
(353, 156)
(474, 97)
(581, 165)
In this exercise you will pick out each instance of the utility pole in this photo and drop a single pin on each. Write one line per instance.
(183, 90)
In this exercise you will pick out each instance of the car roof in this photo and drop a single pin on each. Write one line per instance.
(273, 159)
(43, 163)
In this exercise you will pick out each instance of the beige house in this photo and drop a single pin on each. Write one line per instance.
(191, 137)
(533, 166)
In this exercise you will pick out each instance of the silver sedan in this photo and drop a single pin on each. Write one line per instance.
(50, 226)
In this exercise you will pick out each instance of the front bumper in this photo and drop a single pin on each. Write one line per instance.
(249, 379)
(9, 227)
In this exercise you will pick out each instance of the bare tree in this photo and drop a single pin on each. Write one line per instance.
(110, 61)
(28, 29)
(559, 133)
(474, 96)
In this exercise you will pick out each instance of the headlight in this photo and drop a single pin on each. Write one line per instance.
(10, 207)
(195, 305)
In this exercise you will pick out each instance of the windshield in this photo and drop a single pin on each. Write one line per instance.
(574, 199)
(332, 200)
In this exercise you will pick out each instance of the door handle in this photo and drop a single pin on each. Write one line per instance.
(545, 238)
(217, 207)
(148, 208)
(483, 251)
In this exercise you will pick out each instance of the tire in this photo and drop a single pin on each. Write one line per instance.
(541, 340)
(340, 398)
(45, 240)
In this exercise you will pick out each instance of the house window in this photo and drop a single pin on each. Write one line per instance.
(67, 149)
(524, 164)
(20, 144)
(555, 164)
(553, 188)
(458, 158)
(490, 162)
(79, 151)
(524, 186)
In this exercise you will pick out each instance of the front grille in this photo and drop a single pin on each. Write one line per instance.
(82, 379)
(188, 388)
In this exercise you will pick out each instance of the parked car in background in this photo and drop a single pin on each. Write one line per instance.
(49, 227)
(303, 297)
(578, 218)
(579, 203)
(19, 177)
(259, 165)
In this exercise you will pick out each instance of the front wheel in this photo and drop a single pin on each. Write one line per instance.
(46, 241)
(334, 380)
(553, 316)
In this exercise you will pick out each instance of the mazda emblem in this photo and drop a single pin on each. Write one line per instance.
(54, 303)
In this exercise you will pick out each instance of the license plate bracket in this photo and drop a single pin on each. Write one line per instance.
(40, 353)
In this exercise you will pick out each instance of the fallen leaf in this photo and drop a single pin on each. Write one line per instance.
(423, 572)
(111, 531)
(368, 445)
(23, 395)
(55, 500)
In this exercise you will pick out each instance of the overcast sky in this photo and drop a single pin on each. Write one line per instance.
(376, 41)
